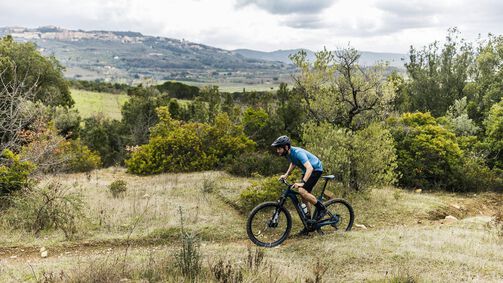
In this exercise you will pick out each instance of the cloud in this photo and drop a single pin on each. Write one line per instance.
(285, 7)
(303, 22)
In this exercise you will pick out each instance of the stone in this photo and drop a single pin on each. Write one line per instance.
(418, 191)
(456, 206)
(450, 219)
(361, 226)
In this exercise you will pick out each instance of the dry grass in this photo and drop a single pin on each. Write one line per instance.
(404, 243)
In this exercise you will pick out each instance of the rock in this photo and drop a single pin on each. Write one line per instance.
(43, 252)
(456, 206)
(13, 257)
(361, 226)
(418, 191)
(450, 219)
(419, 221)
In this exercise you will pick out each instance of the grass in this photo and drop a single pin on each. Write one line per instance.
(91, 103)
(406, 240)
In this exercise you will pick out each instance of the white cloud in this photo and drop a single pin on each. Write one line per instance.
(375, 25)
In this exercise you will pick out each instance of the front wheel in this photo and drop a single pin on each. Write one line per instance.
(341, 215)
(268, 224)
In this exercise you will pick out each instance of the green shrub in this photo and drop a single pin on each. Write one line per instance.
(106, 137)
(251, 163)
(428, 154)
(188, 258)
(268, 189)
(182, 147)
(260, 126)
(67, 121)
(368, 154)
(494, 134)
(52, 153)
(118, 188)
(79, 157)
(474, 175)
(14, 173)
(45, 208)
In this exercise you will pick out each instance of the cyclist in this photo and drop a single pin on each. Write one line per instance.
(311, 167)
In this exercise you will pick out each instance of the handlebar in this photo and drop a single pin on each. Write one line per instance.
(284, 181)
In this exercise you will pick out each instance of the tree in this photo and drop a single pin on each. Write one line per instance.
(438, 77)
(494, 135)
(106, 137)
(291, 112)
(211, 95)
(338, 91)
(14, 110)
(487, 86)
(138, 113)
(43, 76)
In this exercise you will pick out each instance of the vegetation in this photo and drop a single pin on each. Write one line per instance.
(14, 173)
(118, 188)
(363, 123)
(98, 248)
(182, 147)
(21, 64)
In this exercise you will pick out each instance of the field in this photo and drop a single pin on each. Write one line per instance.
(91, 103)
(136, 237)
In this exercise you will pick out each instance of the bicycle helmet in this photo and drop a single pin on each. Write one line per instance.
(281, 141)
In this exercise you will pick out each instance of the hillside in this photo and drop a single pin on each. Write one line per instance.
(395, 60)
(126, 56)
(138, 235)
(130, 56)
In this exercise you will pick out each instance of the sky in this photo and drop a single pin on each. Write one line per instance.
(268, 25)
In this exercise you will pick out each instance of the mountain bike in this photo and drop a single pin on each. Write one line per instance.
(269, 223)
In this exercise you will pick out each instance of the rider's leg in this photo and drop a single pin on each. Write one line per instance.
(305, 192)
(306, 202)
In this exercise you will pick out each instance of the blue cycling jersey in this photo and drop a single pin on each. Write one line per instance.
(298, 156)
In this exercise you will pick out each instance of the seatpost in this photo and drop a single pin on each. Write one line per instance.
(323, 190)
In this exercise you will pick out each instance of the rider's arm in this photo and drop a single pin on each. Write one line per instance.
(309, 170)
(290, 168)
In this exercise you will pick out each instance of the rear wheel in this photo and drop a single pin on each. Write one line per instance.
(341, 213)
(268, 224)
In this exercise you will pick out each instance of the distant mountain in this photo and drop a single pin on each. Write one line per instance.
(125, 56)
(367, 58)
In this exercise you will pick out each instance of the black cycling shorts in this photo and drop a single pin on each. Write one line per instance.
(313, 179)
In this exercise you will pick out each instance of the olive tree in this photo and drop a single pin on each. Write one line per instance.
(339, 92)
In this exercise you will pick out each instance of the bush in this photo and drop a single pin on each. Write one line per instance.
(182, 147)
(474, 175)
(368, 154)
(52, 153)
(67, 121)
(188, 258)
(44, 208)
(14, 173)
(494, 133)
(79, 157)
(106, 137)
(260, 127)
(428, 154)
(268, 189)
(118, 188)
(250, 163)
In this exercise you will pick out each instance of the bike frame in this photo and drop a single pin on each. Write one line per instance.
(292, 195)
